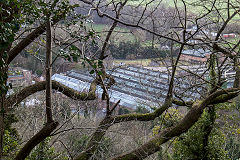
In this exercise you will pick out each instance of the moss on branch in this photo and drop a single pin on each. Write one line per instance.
(187, 122)
(182, 103)
(72, 93)
(40, 86)
(142, 117)
(224, 98)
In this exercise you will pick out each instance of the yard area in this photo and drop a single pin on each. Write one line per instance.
(142, 62)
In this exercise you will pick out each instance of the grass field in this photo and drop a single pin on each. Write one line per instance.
(146, 62)
(119, 34)
(231, 42)
(143, 62)
(195, 6)
(123, 34)
(104, 27)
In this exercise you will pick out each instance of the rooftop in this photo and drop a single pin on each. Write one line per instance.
(134, 85)
(196, 52)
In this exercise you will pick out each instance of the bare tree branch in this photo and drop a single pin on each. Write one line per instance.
(36, 139)
(48, 72)
(40, 86)
(29, 39)
(192, 116)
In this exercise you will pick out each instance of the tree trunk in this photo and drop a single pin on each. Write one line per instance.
(1, 126)
(3, 92)
(237, 75)
(48, 73)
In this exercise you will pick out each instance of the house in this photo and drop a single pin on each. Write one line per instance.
(36, 78)
(229, 35)
(19, 77)
(195, 55)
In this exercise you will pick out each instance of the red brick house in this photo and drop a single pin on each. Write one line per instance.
(18, 76)
(195, 55)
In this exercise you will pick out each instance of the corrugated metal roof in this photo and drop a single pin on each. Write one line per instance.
(134, 85)
(196, 52)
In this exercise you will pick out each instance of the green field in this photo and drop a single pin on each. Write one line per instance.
(195, 6)
(143, 62)
(231, 42)
(119, 34)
